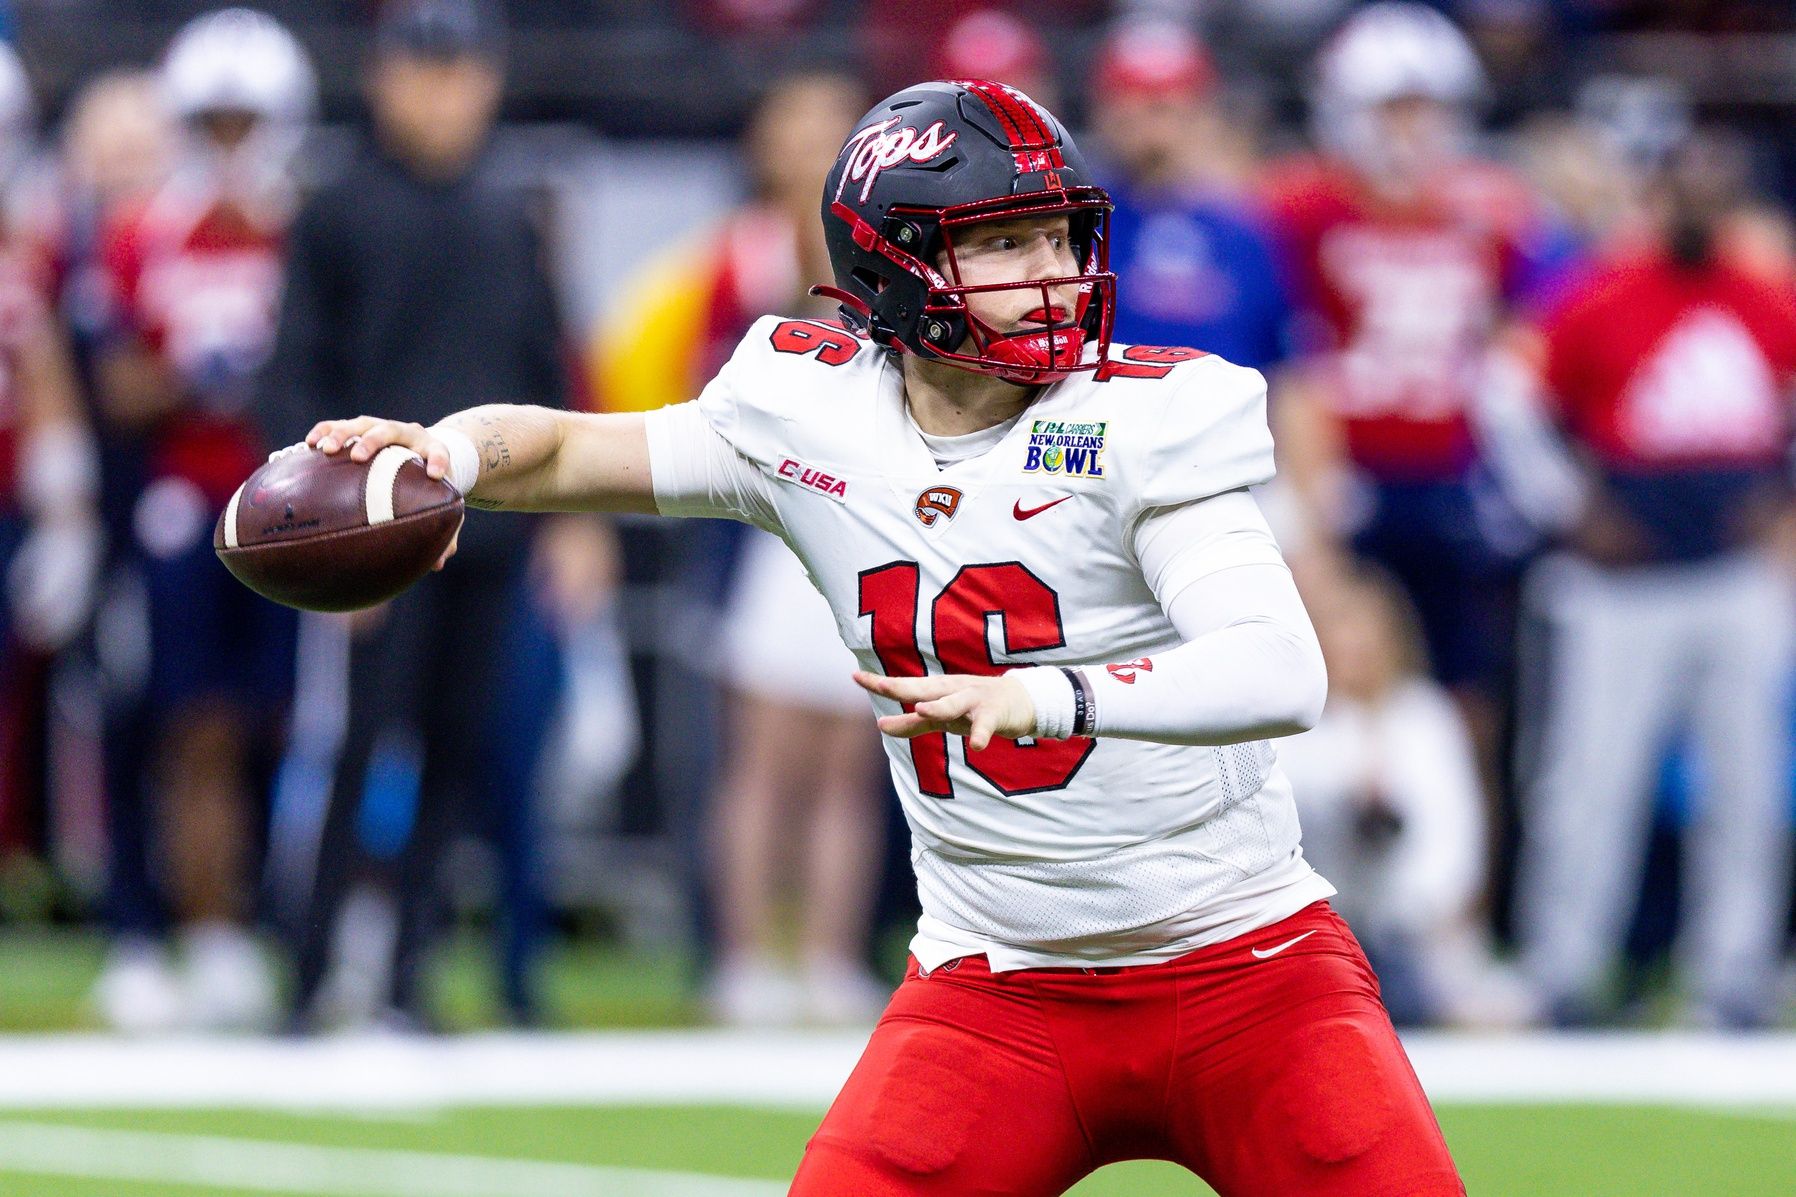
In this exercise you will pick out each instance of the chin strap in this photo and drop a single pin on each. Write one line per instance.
(853, 303)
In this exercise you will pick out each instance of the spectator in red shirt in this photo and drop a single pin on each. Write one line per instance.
(1666, 379)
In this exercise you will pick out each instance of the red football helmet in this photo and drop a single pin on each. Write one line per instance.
(921, 167)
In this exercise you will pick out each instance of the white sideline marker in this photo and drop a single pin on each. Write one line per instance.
(791, 1070)
(259, 1166)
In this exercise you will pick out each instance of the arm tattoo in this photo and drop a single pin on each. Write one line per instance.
(494, 452)
(489, 433)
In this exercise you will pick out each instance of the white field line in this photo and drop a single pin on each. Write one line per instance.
(788, 1070)
(1675, 1069)
(257, 1166)
(383, 1072)
(1753, 1113)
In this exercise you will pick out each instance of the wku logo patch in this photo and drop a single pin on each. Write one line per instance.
(800, 474)
(879, 147)
(1065, 447)
(937, 505)
(1126, 671)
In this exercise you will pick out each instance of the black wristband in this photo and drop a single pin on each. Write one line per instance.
(1085, 707)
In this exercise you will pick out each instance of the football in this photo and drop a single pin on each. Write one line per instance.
(325, 533)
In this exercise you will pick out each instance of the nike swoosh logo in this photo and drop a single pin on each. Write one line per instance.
(1269, 953)
(1024, 513)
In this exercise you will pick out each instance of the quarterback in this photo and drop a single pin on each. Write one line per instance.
(1080, 639)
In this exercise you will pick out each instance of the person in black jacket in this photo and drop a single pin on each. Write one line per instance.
(416, 284)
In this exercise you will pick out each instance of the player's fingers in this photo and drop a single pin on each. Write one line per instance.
(379, 435)
(900, 688)
(349, 430)
(907, 726)
(454, 542)
(949, 707)
(910, 726)
(905, 689)
(331, 435)
(981, 728)
(436, 459)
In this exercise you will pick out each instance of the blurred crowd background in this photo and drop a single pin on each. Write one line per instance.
(1522, 275)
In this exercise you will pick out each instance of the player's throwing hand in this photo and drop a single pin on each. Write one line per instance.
(365, 436)
(962, 704)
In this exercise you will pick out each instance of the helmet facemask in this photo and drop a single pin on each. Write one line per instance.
(1065, 342)
(946, 329)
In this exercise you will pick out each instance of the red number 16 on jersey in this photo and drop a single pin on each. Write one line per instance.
(1030, 613)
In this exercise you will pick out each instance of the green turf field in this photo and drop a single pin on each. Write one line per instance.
(692, 1151)
(47, 975)
(1525, 1151)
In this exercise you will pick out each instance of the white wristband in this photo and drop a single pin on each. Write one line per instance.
(464, 458)
(1052, 693)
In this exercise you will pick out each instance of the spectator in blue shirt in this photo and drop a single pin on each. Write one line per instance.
(1198, 260)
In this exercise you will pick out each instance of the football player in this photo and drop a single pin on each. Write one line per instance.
(1081, 641)
(1408, 252)
(195, 273)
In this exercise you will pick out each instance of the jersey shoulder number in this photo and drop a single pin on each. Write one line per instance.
(1198, 431)
(789, 389)
(830, 344)
(1146, 361)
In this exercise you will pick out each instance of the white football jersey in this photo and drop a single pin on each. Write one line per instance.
(1034, 853)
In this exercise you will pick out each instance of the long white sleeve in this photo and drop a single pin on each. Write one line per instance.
(1249, 667)
(696, 472)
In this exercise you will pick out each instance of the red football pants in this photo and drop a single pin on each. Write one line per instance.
(1274, 1074)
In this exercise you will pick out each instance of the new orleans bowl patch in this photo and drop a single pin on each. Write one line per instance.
(1066, 447)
